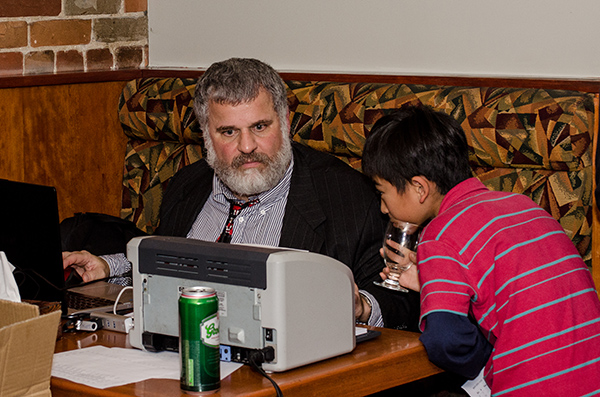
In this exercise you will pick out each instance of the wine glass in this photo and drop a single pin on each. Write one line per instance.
(405, 235)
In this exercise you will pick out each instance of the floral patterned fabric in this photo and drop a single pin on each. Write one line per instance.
(532, 141)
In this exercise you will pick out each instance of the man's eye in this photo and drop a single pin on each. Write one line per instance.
(260, 127)
(228, 132)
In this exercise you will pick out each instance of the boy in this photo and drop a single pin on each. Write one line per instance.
(501, 283)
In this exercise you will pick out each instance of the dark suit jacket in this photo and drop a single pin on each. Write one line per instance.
(331, 209)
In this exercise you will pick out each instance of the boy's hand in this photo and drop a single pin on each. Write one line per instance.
(409, 278)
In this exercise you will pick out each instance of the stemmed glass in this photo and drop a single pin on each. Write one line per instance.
(404, 235)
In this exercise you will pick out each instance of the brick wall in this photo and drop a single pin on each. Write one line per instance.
(47, 36)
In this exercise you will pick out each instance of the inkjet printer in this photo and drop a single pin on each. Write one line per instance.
(296, 305)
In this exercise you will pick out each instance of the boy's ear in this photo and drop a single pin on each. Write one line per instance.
(422, 187)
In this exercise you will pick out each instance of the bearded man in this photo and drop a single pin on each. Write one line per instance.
(255, 186)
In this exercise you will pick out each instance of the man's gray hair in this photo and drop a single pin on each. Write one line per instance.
(236, 81)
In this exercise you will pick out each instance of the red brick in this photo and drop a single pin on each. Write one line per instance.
(11, 63)
(130, 57)
(99, 59)
(30, 8)
(60, 32)
(39, 62)
(136, 5)
(69, 61)
(13, 34)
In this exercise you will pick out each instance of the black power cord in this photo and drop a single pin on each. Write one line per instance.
(257, 358)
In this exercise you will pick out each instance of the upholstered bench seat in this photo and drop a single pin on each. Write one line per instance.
(532, 141)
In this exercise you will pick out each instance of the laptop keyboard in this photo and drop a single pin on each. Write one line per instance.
(81, 302)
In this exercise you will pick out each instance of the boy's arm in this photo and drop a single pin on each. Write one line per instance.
(455, 344)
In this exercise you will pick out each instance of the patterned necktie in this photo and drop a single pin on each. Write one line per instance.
(234, 209)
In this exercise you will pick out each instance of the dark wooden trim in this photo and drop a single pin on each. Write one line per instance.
(68, 78)
(182, 73)
(584, 85)
(592, 86)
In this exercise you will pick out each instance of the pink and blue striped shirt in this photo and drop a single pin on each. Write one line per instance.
(507, 264)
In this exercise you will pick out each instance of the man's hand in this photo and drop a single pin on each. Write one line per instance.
(90, 267)
(408, 278)
(362, 309)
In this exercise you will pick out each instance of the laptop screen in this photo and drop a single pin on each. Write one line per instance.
(30, 238)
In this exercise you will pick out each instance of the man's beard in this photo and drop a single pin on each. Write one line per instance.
(251, 182)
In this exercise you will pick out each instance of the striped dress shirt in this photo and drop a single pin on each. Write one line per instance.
(257, 224)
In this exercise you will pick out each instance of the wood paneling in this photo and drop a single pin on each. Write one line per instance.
(11, 133)
(67, 136)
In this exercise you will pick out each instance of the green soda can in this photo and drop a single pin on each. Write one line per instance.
(199, 340)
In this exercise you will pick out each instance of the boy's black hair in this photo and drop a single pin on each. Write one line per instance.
(417, 141)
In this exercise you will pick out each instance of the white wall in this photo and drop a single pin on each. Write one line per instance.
(521, 38)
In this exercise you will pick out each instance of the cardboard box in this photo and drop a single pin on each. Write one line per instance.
(27, 342)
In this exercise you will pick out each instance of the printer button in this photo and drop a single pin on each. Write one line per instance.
(256, 312)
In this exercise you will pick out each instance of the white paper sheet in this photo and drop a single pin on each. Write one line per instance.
(102, 367)
(8, 286)
(477, 387)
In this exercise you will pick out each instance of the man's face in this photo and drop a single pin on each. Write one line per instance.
(246, 146)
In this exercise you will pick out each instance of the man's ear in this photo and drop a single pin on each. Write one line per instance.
(289, 125)
(422, 187)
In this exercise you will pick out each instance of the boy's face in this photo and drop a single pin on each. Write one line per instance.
(406, 206)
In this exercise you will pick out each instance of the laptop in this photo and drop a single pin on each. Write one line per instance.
(30, 238)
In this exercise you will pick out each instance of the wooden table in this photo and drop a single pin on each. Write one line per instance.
(394, 358)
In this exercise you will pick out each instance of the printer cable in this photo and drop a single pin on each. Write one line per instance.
(256, 359)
